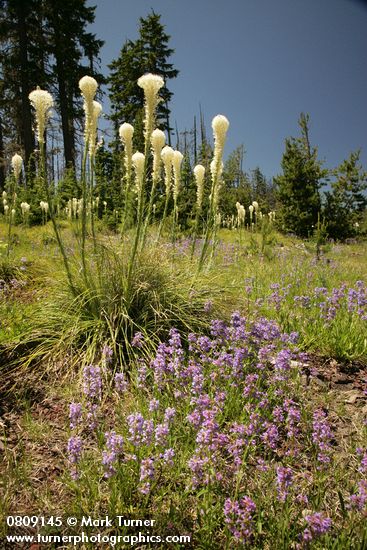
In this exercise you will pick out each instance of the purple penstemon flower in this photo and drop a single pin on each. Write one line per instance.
(317, 524)
(321, 435)
(238, 516)
(358, 501)
(114, 445)
(74, 448)
(75, 414)
(284, 481)
(121, 384)
(147, 471)
(92, 416)
(138, 340)
(92, 382)
(153, 405)
(161, 434)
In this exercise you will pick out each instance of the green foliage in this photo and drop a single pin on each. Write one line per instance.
(263, 240)
(298, 187)
(345, 204)
(236, 187)
(320, 239)
(67, 188)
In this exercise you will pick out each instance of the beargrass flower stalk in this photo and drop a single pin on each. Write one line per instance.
(151, 84)
(126, 132)
(220, 126)
(241, 216)
(25, 208)
(251, 210)
(88, 87)
(167, 156)
(96, 112)
(158, 141)
(199, 174)
(42, 101)
(138, 161)
(17, 163)
(176, 165)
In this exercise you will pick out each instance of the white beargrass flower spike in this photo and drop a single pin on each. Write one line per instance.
(96, 112)
(88, 86)
(167, 156)
(42, 101)
(158, 141)
(126, 132)
(176, 164)
(199, 173)
(151, 84)
(17, 164)
(138, 160)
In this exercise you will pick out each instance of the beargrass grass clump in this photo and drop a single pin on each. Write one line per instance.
(113, 305)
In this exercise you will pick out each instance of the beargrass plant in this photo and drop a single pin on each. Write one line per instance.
(220, 127)
(73, 325)
(106, 296)
(11, 195)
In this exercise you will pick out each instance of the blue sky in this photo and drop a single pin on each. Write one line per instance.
(260, 63)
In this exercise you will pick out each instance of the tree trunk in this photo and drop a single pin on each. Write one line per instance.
(26, 130)
(66, 119)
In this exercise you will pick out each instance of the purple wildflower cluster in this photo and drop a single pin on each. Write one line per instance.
(114, 450)
(107, 355)
(92, 389)
(238, 516)
(317, 524)
(75, 447)
(92, 382)
(284, 482)
(138, 340)
(238, 421)
(240, 357)
(321, 435)
(324, 304)
(121, 384)
(75, 414)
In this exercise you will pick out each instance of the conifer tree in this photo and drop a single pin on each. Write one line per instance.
(148, 54)
(22, 46)
(298, 188)
(69, 43)
(43, 43)
(346, 203)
